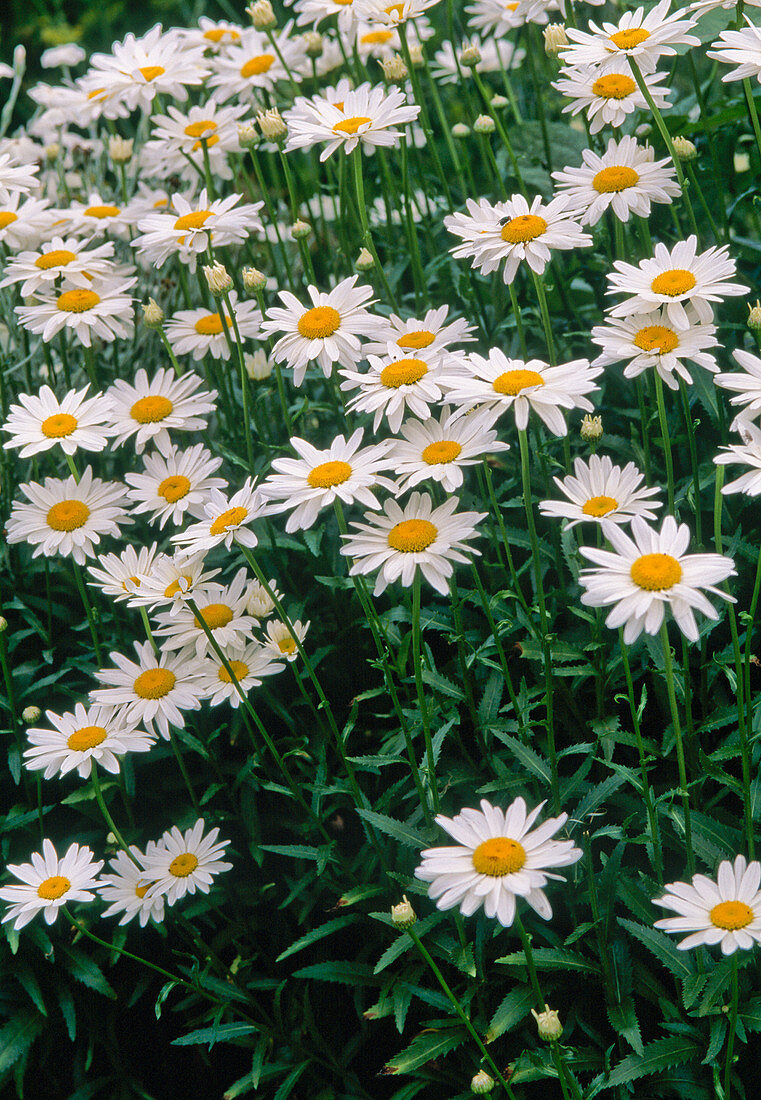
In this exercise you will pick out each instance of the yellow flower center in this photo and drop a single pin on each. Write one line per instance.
(599, 506)
(656, 338)
(412, 536)
(77, 301)
(422, 338)
(174, 488)
(287, 645)
(328, 474)
(173, 588)
(396, 10)
(159, 203)
(376, 38)
(104, 211)
(211, 325)
(198, 129)
(68, 515)
(445, 450)
(674, 282)
(231, 518)
(255, 66)
(319, 322)
(58, 425)
(350, 125)
(731, 915)
(183, 865)
(150, 72)
(216, 34)
(87, 737)
(499, 856)
(513, 381)
(59, 257)
(404, 372)
(151, 409)
(214, 615)
(240, 669)
(628, 39)
(141, 891)
(154, 683)
(6, 217)
(613, 86)
(53, 888)
(616, 178)
(655, 572)
(526, 227)
(194, 220)
(342, 3)
(95, 92)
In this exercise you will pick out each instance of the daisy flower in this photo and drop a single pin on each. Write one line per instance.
(66, 257)
(42, 421)
(600, 491)
(50, 882)
(747, 453)
(626, 179)
(182, 863)
(68, 55)
(430, 334)
(194, 226)
(725, 912)
(326, 332)
(746, 385)
(608, 98)
(154, 690)
(249, 664)
(652, 341)
(260, 602)
(513, 231)
(650, 571)
(150, 410)
(498, 858)
(373, 41)
(128, 889)
(197, 331)
(168, 579)
(310, 13)
(306, 485)
(501, 383)
(497, 17)
(440, 449)
(224, 610)
(253, 66)
(226, 521)
(100, 734)
(174, 484)
(673, 278)
(120, 575)
(15, 178)
(367, 118)
(103, 310)
(279, 638)
(391, 15)
(66, 517)
(98, 216)
(646, 38)
(394, 385)
(24, 224)
(178, 135)
(739, 48)
(400, 541)
(214, 35)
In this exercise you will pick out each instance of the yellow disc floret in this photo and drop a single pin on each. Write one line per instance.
(599, 506)
(233, 517)
(421, 338)
(444, 450)
(328, 474)
(86, 737)
(614, 86)
(58, 257)
(174, 488)
(68, 515)
(513, 381)
(151, 409)
(628, 39)
(674, 282)
(731, 915)
(499, 856)
(404, 372)
(350, 125)
(526, 227)
(656, 572)
(154, 683)
(214, 615)
(656, 338)
(53, 888)
(183, 865)
(59, 425)
(412, 536)
(240, 669)
(258, 65)
(77, 301)
(319, 322)
(615, 178)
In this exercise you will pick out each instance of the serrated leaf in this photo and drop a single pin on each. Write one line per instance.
(656, 1056)
(26, 978)
(424, 1048)
(17, 1036)
(317, 934)
(488, 708)
(530, 759)
(661, 946)
(597, 796)
(552, 958)
(623, 1019)
(81, 967)
(341, 971)
(405, 834)
(223, 1033)
(514, 1008)
(442, 684)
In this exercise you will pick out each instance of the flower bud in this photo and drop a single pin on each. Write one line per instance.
(548, 1024)
(484, 124)
(259, 603)
(416, 54)
(741, 162)
(3, 624)
(470, 56)
(403, 915)
(120, 149)
(313, 44)
(591, 428)
(52, 151)
(301, 230)
(30, 714)
(555, 39)
(258, 367)
(19, 58)
(262, 15)
(248, 135)
(364, 260)
(482, 1083)
(271, 125)
(754, 316)
(461, 130)
(684, 148)
(153, 314)
(394, 69)
(218, 279)
(498, 102)
(253, 280)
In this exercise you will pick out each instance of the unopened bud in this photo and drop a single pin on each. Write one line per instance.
(153, 314)
(470, 56)
(741, 162)
(271, 125)
(416, 54)
(218, 279)
(394, 69)
(120, 149)
(313, 44)
(248, 135)
(403, 915)
(19, 58)
(364, 260)
(591, 428)
(684, 148)
(30, 714)
(301, 230)
(3, 624)
(258, 365)
(482, 1083)
(484, 124)
(643, 130)
(498, 102)
(754, 316)
(548, 1024)
(262, 15)
(555, 39)
(253, 280)
(461, 130)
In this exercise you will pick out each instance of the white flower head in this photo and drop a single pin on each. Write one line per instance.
(441, 449)
(128, 889)
(150, 409)
(656, 341)
(600, 492)
(367, 117)
(227, 520)
(644, 37)
(49, 882)
(75, 422)
(185, 862)
(249, 664)
(747, 453)
(725, 912)
(610, 97)
(398, 383)
(99, 734)
(174, 485)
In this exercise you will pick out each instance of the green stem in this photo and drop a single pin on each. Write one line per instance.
(107, 816)
(367, 239)
(732, 1028)
(693, 460)
(666, 438)
(244, 385)
(89, 612)
(184, 772)
(671, 689)
(422, 701)
(546, 320)
(748, 89)
(501, 131)
(170, 352)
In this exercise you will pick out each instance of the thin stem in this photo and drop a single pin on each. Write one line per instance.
(422, 701)
(546, 320)
(366, 237)
(666, 439)
(693, 460)
(732, 1028)
(748, 89)
(184, 772)
(243, 380)
(671, 689)
(107, 816)
(89, 612)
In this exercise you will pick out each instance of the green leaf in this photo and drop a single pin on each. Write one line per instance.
(81, 967)
(513, 1009)
(26, 978)
(659, 1055)
(343, 972)
(623, 1019)
(442, 684)
(750, 1014)
(17, 1036)
(488, 708)
(661, 946)
(224, 1033)
(286, 1088)
(597, 796)
(552, 958)
(318, 934)
(425, 1048)
(531, 760)
(405, 834)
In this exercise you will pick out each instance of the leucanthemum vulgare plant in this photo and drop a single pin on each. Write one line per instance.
(381, 453)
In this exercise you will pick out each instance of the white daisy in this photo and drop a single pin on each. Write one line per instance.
(67, 257)
(128, 889)
(150, 410)
(215, 35)
(174, 485)
(168, 579)
(223, 609)
(725, 912)
(497, 859)
(120, 575)
(327, 332)
(66, 517)
(746, 385)
(23, 224)
(673, 278)
(49, 883)
(608, 98)
(194, 226)
(304, 486)
(178, 135)
(260, 602)
(310, 13)
(154, 690)
(391, 15)
(99, 216)
(513, 231)
(430, 334)
(249, 664)
(68, 55)
(182, 863)
(15, 178)
(739, 48)
(440, 449)
(198, 332)
(502, 383)
(400, 541)
(645, 37)
(227, 520)
(103, 310)
(650, 571)
(99, 733)
(252, 67)
(393, 385)
(367, 117)
(42, 421)
(653, 341)
(279, 638)
(372, 41)
(500, 16)
(600, 491)
(625, 178)
(747, 453)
